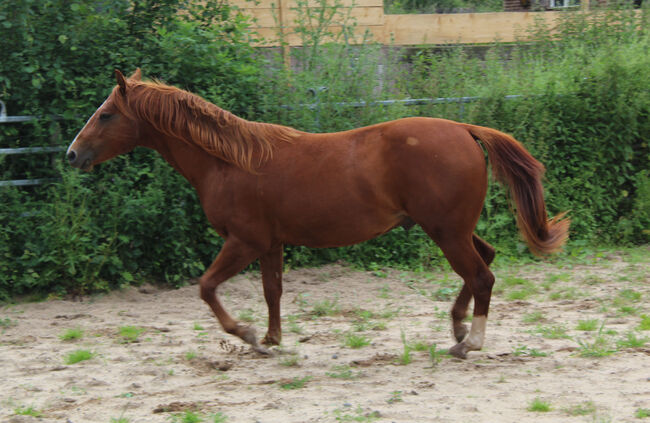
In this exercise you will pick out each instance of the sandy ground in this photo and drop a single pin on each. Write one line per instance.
(182, 361)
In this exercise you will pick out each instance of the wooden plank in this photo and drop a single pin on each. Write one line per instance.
(268, 18)
(271, 35)
(270, 4)
(463, 28)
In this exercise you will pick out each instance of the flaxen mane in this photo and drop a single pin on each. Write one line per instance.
(184, 115)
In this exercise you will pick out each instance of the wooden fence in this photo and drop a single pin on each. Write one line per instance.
(277, 18)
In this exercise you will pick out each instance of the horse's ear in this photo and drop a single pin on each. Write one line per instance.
(121, 81)
(137, 75)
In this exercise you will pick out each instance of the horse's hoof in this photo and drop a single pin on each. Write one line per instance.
(262, 350)
(271, 340)
(460, 331)
(459, 350)
(247, 334)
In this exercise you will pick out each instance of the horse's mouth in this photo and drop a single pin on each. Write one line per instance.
(87, 165)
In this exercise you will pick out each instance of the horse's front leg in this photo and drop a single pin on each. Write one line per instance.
(271, 266)
(232, 259)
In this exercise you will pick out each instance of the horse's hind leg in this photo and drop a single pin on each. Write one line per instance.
(271, 266)
(459, 310)
(464, 258)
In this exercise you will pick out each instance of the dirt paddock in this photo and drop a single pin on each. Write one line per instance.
(567, 341)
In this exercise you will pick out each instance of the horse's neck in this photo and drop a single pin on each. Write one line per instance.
(189, 160)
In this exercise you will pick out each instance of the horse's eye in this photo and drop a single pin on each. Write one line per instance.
(105, 116)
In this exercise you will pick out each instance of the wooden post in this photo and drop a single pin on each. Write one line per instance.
(282, 17)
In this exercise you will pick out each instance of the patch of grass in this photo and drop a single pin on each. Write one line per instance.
(71, 335)
(632, 341)
(219, 418)
(600, 346)
(629, 310)
(292, 360)
(355, 341)
(295, 383)
(343, 371)
(395, 396)
(520, 294)
(190, 355)
(645, 322)
(246, 315)
(405, 357)
(630, 295)
(539, 406)
(642, 413)
(326, 308)
(293, 326)
(78, 356)
(356, 415)
(129, 334)
(197, 327)
(523, 350)
(553, 331)
(587, 325)
(120, 420)
(436, 355)
(186, 417)
(28, 411)
(568, 293)
(7, 323)
(582, 409)
(534, 317)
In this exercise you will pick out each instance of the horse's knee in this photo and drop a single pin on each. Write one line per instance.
(207, 292)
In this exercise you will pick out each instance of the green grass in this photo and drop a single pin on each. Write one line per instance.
(539, 406)
(129, 334)
(355, 341)
(587, 325)
(357, 415)
(552, 332)
(583, 409)
(523, 350)
(343, 371)
(246, 315)
(197, 327)
(534, 317)
(631, 340)
(600, 346)
(186, 417)
(120, 420)
(190, 355)
(292, 360)
(71, 335)
(642, 413)
(78, 356)
(436, 355)
(326, 308)
(28, 411)
(645, 322)
(295, 383)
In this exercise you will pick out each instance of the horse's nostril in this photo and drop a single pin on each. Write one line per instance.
(72, 156)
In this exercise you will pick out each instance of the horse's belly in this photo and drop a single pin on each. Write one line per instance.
(337, 230)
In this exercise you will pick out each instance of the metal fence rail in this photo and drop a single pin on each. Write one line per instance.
(24, 150)
(315, 106)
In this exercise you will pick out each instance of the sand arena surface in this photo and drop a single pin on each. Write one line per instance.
(181, 361)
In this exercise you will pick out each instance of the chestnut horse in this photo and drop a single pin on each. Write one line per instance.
(263, 185)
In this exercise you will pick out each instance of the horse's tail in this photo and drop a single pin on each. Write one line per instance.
(515, 167)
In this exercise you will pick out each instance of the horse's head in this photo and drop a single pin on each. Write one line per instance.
(108, 132)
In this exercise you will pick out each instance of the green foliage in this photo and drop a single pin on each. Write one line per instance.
(78, 356)
(540, 406)
(134, 218)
